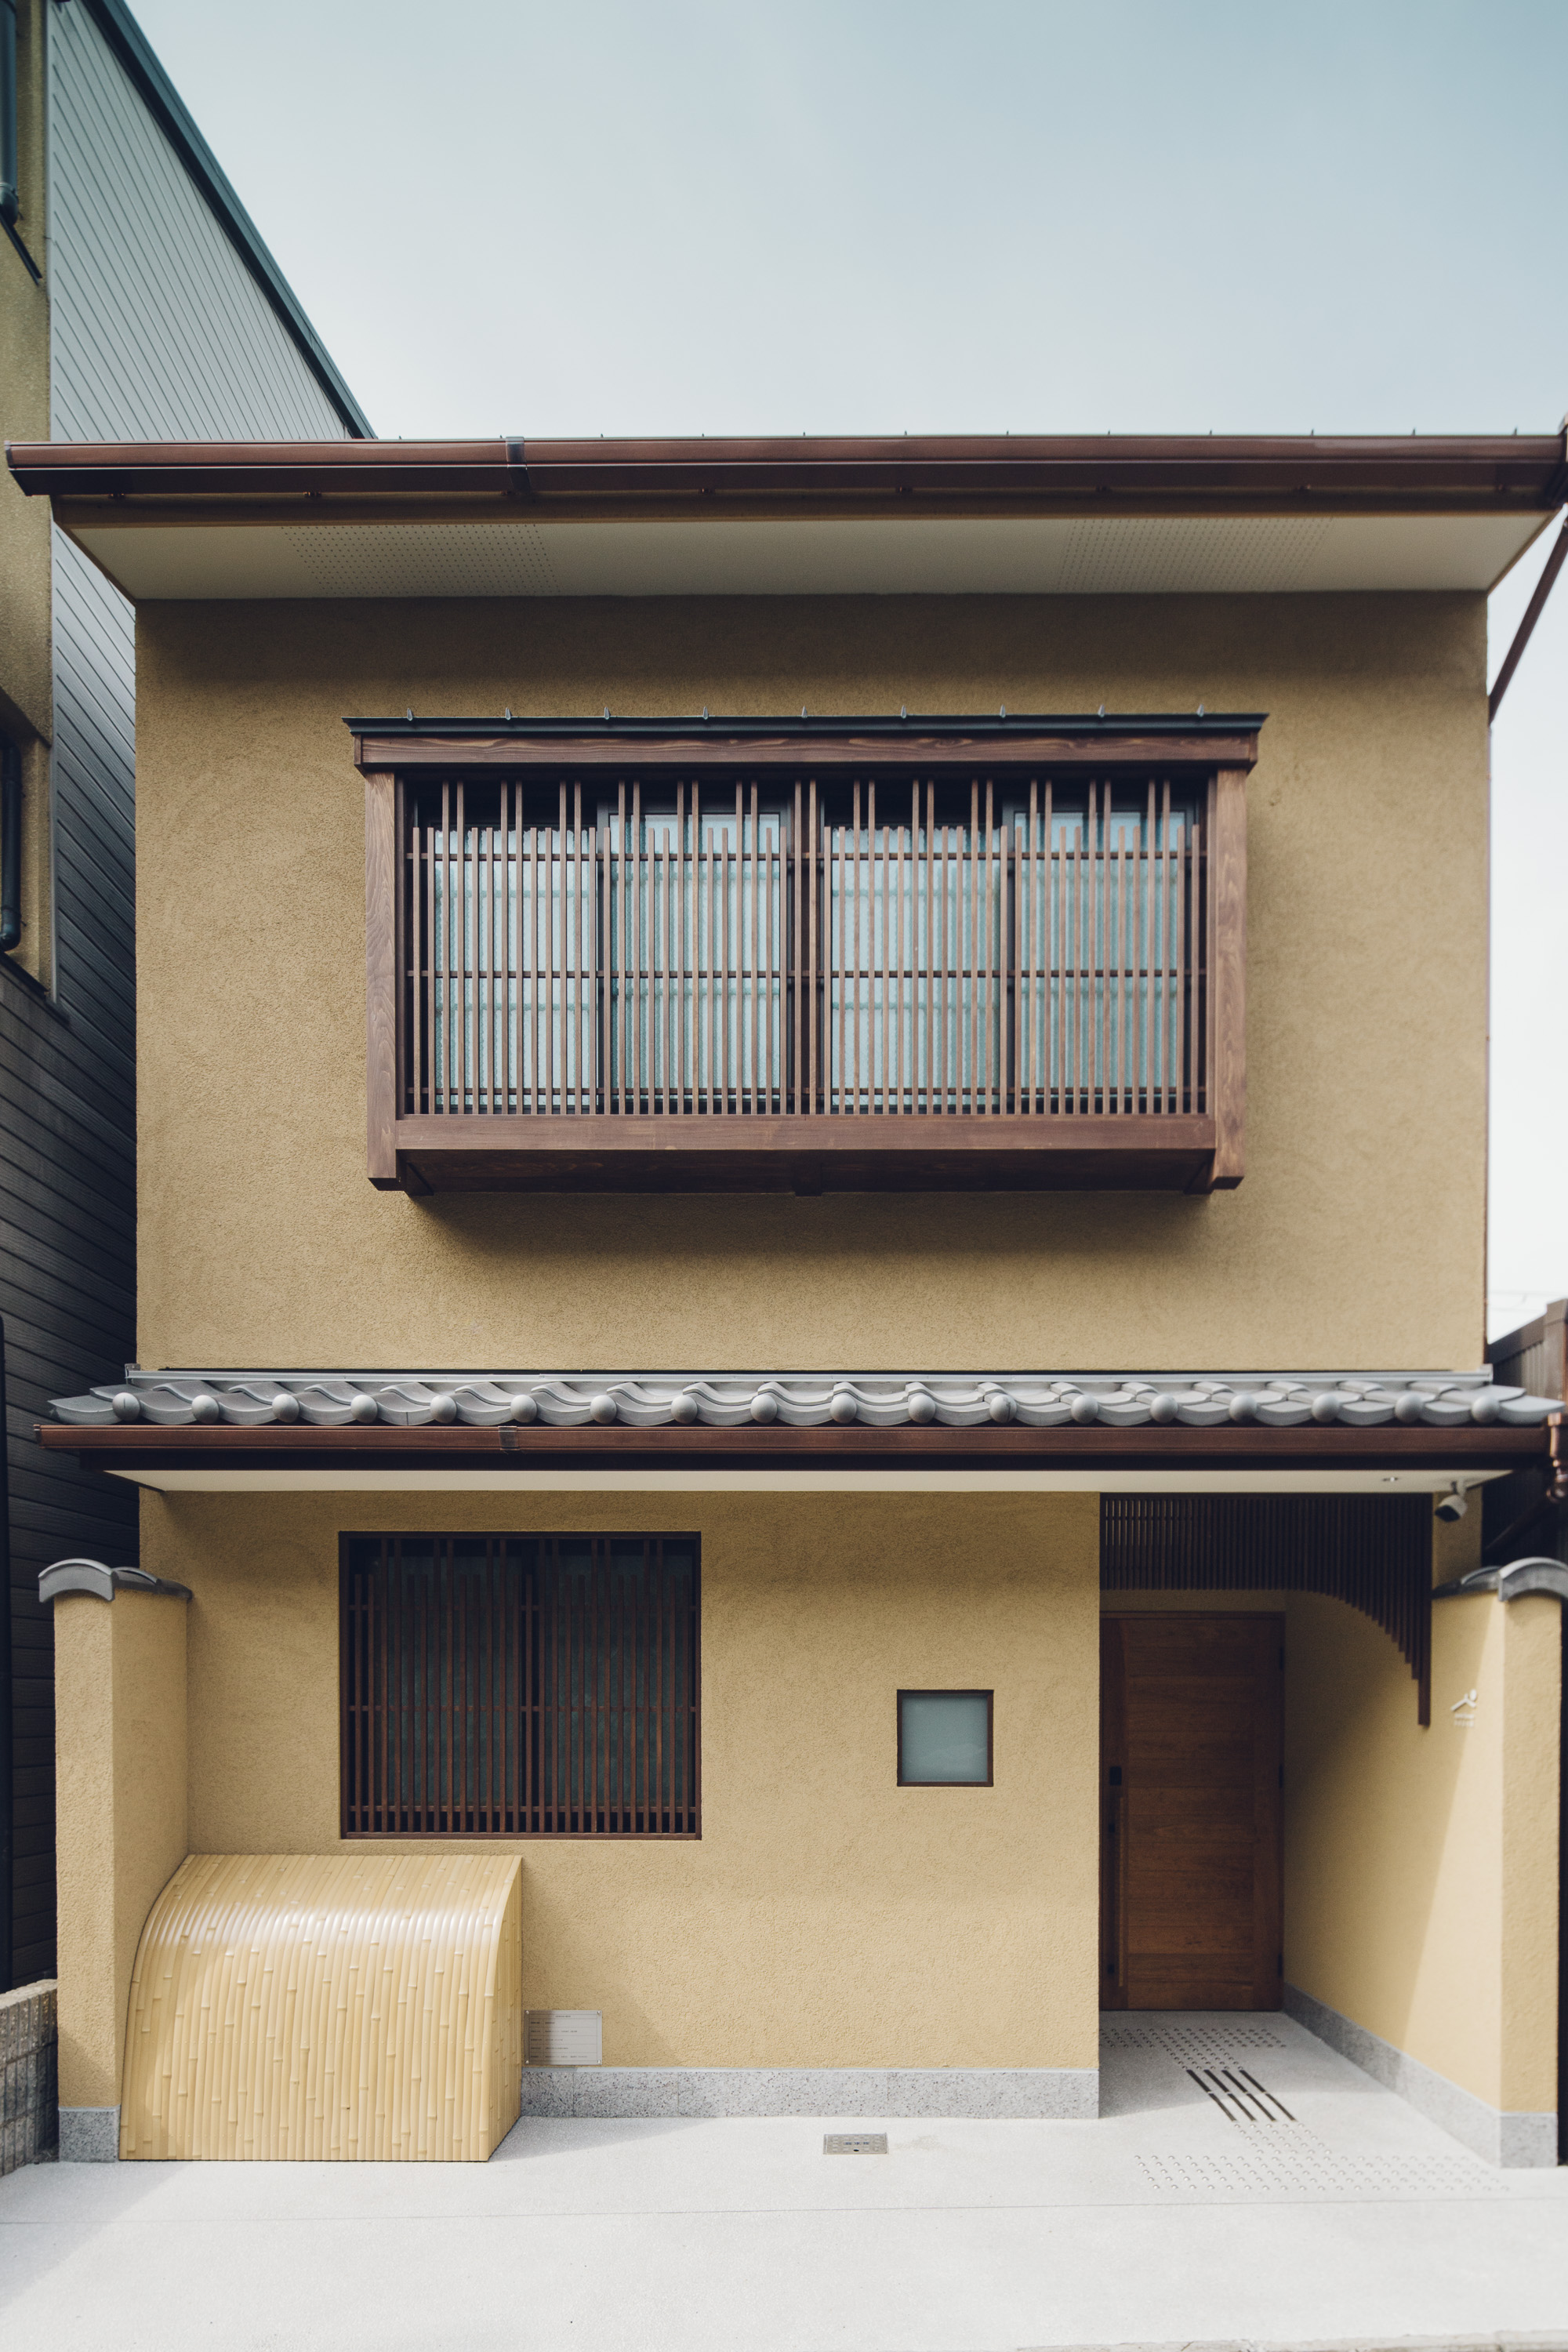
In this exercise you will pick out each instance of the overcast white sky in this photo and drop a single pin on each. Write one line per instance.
(1115, 216)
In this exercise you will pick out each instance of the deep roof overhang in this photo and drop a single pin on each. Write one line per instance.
(1420, 473)
(775, 1458)
(916, 514)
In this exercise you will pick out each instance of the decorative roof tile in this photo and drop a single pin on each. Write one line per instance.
(808, 1400)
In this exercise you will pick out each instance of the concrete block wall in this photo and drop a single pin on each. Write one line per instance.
(29, 2110)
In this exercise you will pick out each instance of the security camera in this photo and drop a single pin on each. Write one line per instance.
(1454, 1504)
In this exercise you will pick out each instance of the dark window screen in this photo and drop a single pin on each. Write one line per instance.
(520, 1685)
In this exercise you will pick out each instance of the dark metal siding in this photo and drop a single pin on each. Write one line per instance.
(67, 1211)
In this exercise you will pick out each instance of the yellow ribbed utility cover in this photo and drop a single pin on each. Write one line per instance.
(315, 2006)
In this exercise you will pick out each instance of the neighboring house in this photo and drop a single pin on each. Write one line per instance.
(813, 1166)
(136, 300)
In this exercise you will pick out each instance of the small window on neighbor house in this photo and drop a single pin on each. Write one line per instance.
(944, 1739)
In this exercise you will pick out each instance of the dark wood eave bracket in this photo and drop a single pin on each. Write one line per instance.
(1020, 473)
(1467, 1452)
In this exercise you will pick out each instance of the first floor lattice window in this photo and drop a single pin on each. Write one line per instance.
(520, 1685)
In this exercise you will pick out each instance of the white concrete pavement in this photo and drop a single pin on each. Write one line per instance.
(1346, 2217)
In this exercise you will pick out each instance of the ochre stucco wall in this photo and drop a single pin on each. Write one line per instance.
(121, 1798)
(825, 1917)
(1355, 1240)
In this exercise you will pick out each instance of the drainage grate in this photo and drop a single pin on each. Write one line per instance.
(855, 2144)
(1240, 2096)
(1298, 2163)
(1196, 2043)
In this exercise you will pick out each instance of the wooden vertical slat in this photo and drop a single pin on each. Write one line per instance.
(484, 968)
(1067, 954)
(1228, 973)
(1160, 1070)
(1123, 962)
(1059, 994)
(603, 966)
(1053, 990)
(636, 950)
(381, 889)
(458, 933)
(1026, 920)
(490, 1060)
(753, 1025)
(432, 1075)
(1072, 890)
(879, 1041)
(948, 993)
(1182, 977)
(391, 1635)
(850, 986)
(794, 909)
(1197, 977)
(411, 991)
(905, 1025)
(675, 870)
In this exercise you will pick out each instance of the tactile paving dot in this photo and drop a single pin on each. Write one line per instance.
(1298, 2163)
(1189, 2042)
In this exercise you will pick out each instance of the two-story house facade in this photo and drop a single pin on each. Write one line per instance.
(812, 1167)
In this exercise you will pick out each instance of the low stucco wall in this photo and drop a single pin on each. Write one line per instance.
(1422, 1887)
(121, 1822)
(826, 1917)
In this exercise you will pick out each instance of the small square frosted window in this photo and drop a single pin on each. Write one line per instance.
(944, 1739)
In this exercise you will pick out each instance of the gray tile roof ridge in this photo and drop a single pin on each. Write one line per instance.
(647, 1400)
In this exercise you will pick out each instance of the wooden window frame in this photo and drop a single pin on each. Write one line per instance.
(805, 1152)
(946, 1691)
(653, 1724)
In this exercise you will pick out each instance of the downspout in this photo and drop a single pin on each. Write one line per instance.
(10, 846)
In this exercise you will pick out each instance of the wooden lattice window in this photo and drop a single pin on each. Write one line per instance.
(505, 1685)
(807, 961)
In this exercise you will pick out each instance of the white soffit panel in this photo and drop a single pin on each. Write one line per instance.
(912, 1481)
(940, 555)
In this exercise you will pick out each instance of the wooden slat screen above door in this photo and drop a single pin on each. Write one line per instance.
(1372, 1552)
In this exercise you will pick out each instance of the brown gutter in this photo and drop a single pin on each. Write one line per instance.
(132, 1445)
(1441, 473)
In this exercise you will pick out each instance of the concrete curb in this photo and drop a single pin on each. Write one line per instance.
(1054, 2093)
(1554, 2341)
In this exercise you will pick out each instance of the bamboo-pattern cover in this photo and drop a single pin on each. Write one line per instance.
(328, 2006)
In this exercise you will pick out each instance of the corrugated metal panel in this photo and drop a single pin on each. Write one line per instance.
(161, 332)
(324, 2006)
(158, 329)
(67, 1270)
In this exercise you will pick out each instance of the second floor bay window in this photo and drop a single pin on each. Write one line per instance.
(977, 956)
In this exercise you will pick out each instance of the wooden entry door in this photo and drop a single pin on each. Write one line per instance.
(1191, 1721)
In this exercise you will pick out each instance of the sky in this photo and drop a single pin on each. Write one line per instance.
(1120, 216)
